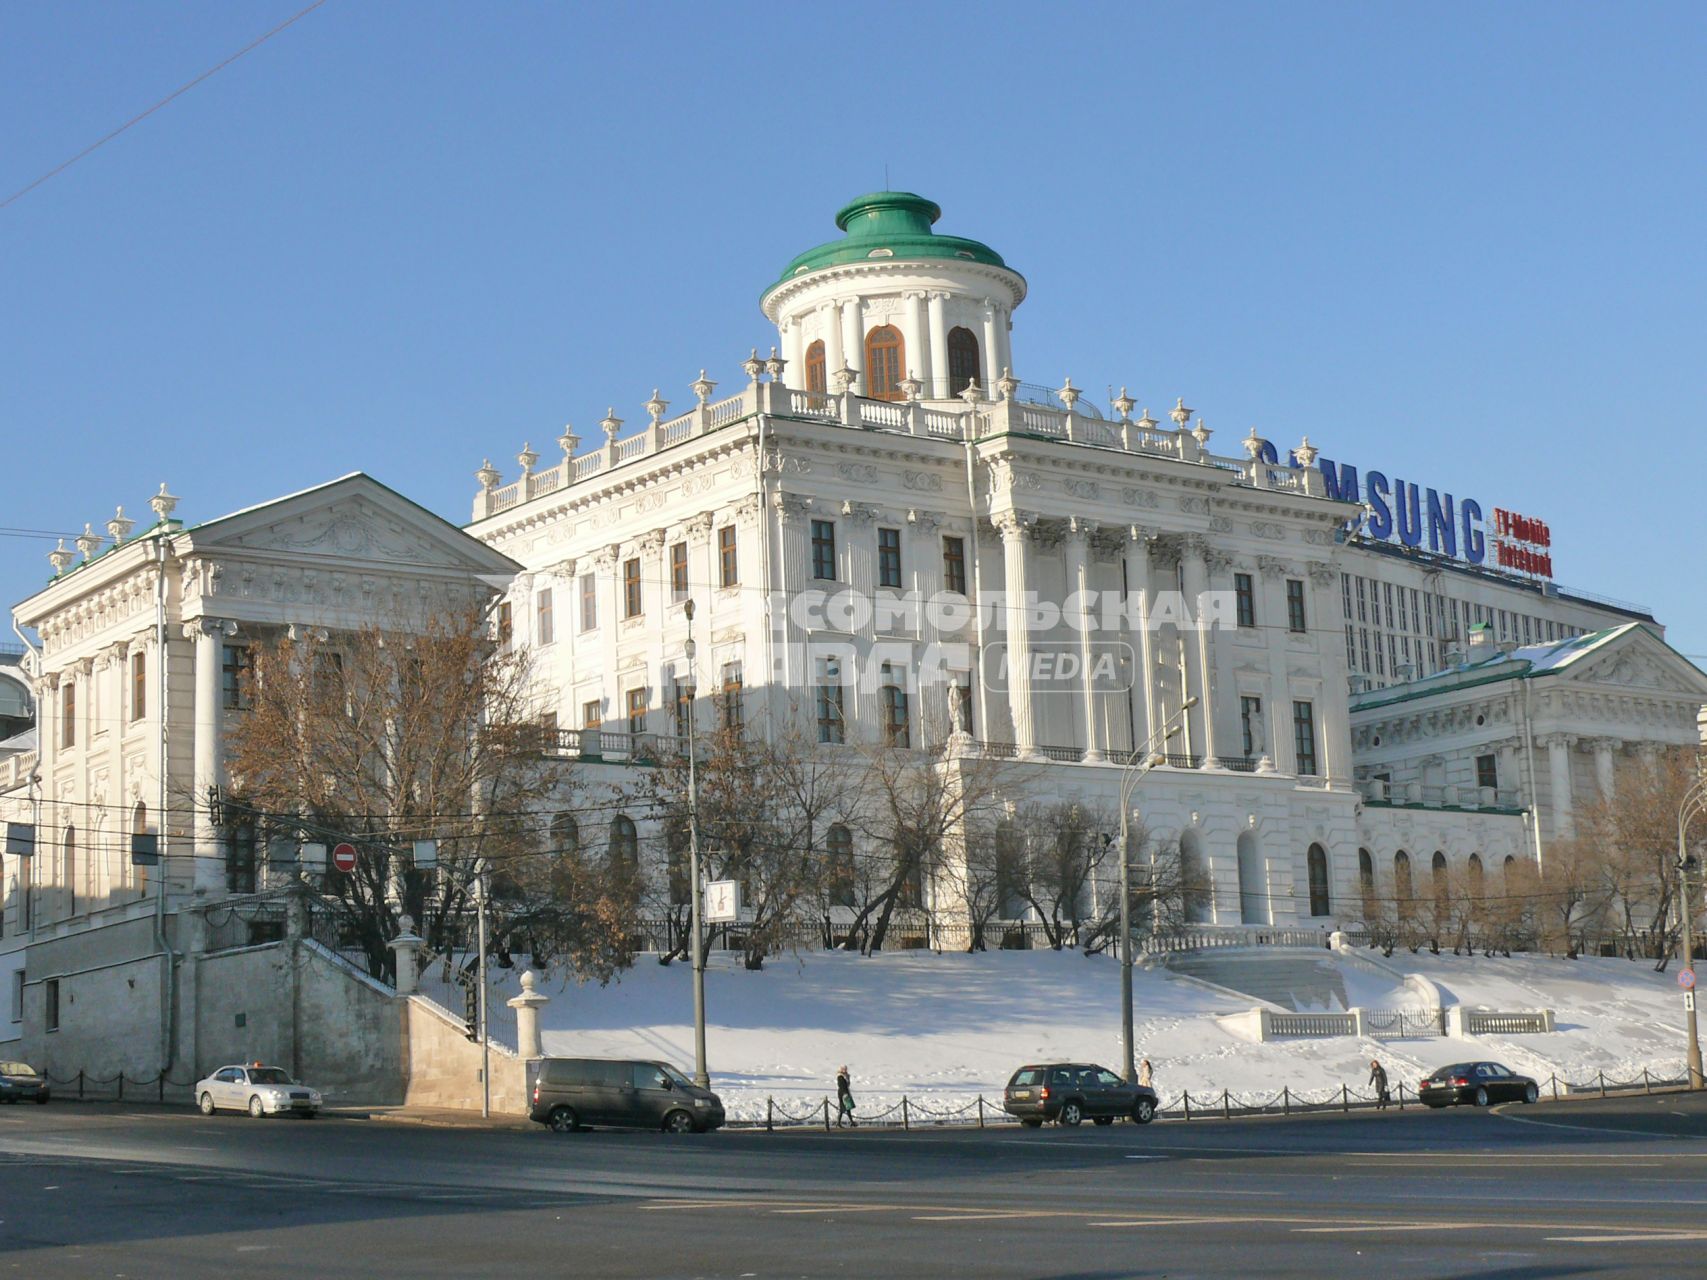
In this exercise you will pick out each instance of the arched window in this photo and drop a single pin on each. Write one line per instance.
(1366, 880)
(1474, 867)
(1402, 875)
(839, 843)
(624, 845)
(1196, 890)
(565, 833)
(678, 860)
(139, 826)
(963, 365)
(1438, 865)
(68, 864)
(817, 378)
(1317, 860)
(1253, 881)
(885, 363)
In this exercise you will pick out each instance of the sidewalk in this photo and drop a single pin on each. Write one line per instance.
(436, 1117)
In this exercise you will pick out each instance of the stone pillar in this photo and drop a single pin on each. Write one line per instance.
(527, 1007)
(1196, 647)
(1138, 619)
(853, 342)
(1559, 767)
(406, 957)
(834, 356)
(209, 636)
(917, 339)
(1078, 538)
(1603, 771)
(1277, 709)
(794, 351)
(936, 382)
(1015, 529)
(992, 370)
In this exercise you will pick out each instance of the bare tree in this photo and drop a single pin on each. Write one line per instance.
(1063, 846)
(379, 736)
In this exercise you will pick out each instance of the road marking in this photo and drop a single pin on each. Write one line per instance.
(980, 1217)
(1410, 1226)
(839, 1208)
(1589, 1128)
(1149, 1157)
(1657, 1237)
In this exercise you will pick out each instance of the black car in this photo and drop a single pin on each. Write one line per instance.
(571, 1093)
(20, 1082)
(1069, 1092)
(1478, 1083)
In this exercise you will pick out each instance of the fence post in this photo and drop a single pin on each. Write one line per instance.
(162, 1082)
(1345, 1098)
(79, 1082)
(1401, 1095)
(826, 1115)
(770, 1114)
(1186, 1097)
(1285, 1100)
(1647, 1086)
(1226, 1106)
(980, 1111)
(121, 1084)
(905, 1122)
(1554, 1076)
(1602, 1083)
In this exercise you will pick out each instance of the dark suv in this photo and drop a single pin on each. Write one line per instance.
(569, 1093)
(1073, 1091)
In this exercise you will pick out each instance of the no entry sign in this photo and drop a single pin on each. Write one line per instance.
(1686, 979)
(344, 857)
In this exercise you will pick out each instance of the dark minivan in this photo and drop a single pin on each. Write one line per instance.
(570, 1093)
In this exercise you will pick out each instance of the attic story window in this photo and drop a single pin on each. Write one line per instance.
(881, 253)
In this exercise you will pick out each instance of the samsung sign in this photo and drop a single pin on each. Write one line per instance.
(1430, 518)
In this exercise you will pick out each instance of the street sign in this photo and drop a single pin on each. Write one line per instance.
(1689, 1002)
(723, 901)
(344, 857)
(426, 854)
(1686, 979)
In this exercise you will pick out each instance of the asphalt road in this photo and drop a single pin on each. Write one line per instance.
(1580, 1189)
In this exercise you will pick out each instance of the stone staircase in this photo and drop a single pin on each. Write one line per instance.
(1301, 980)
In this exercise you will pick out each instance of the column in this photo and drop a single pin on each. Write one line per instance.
(834, 356)
(857, 550)
(794, 351)
(793, 574)
(1004, 340)
(1559, 768)
(918, 344)
(1196, 647)
(1015, 529)
(1138, 619)
(937, 381)
(527, 1007)
(1078, 544)
(992, 370)
(1277, 713)
(209, 637)
(1603, 749)
(853, 341)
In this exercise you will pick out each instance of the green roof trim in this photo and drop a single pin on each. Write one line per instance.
(889, 225)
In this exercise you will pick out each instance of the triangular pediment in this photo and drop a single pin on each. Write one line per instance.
(352, 521)
(1636, 661)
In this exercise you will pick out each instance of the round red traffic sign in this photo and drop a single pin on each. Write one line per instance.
(1686, 979)
(344, 857)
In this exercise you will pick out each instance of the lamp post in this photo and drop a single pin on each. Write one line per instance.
(1694, 804)
(485, 1036)
(1141, 763)
(696, 942)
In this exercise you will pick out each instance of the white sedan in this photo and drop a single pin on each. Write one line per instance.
(257, 1089)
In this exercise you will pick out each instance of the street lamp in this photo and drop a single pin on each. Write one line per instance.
(697, 962)
(1693, 806)
(1140, 763)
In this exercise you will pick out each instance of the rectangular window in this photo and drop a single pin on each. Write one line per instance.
(954, 565)
(1431, 606)
(679, 570)
(234, 675)
(1304, 737)
(505, 627)
(732, 705)
(889, 557)
(1393, 653)
(1295, 620)
(1527, 637)
(1404, 614)
(1345, 594)
(728, 570)
(1363, 642)
(1362, 610)
(548, 730)
(240, 857)
(17, 995)
(68, 714)
(897, 731)
(682, 702)
(831, 727)
(589, 602)
(1405, 647)
(1488, 771)
(1245, 598)
(1380, 656)
(50, 999)
(1250, 723)
(824, 550)
(1388, 592)
(1350, 648)
(542, 617)
(138, 685)
(592, 713)
(631, 588)
(637, 710)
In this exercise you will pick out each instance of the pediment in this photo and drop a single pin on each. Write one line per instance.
(1639, 662)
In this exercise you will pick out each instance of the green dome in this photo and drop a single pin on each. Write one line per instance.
(889, 224)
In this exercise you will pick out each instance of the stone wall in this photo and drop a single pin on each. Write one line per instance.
(444, 1065)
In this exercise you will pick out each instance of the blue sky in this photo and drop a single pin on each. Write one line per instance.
(1462, 244)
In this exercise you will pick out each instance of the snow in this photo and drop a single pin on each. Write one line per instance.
(943, 1029)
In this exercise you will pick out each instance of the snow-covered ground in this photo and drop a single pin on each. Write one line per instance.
(944, 1028)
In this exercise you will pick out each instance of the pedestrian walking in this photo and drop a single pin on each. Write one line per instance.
(1378, 1080)
(844, 1099)
(1145, 1074)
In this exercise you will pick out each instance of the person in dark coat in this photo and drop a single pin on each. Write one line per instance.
(1378, 1080)
(844, 1099)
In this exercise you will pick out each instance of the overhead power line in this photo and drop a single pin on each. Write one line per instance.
(176, 93)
